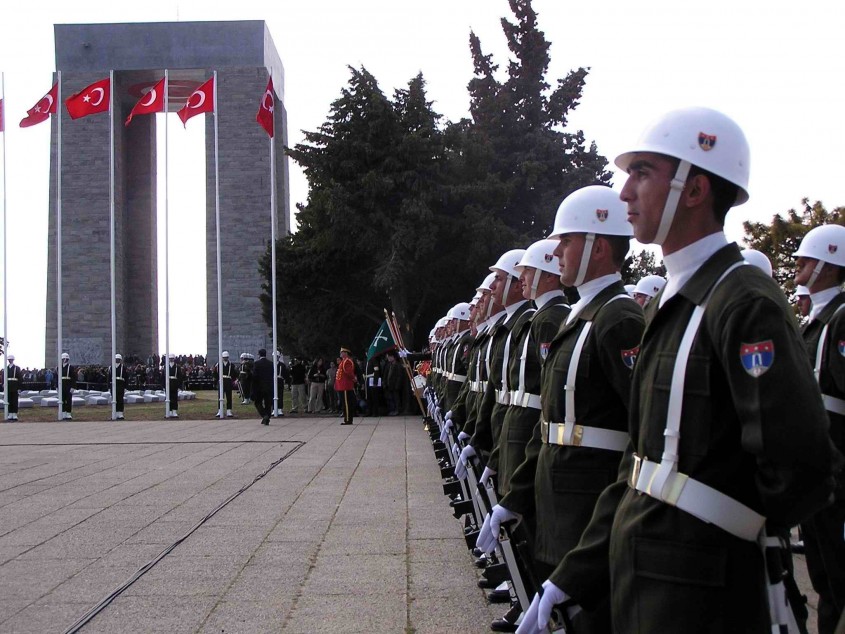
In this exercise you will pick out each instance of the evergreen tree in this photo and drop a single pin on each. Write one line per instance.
(638, 265)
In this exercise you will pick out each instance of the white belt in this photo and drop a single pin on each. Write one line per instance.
(833, 404)
(475, 386)
(699, 500)
(595, 437)
(460, 378)
(524, 399)
(502, 397)
(480, 386)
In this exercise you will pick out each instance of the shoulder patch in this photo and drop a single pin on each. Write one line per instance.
(629, 357)
(758, 357)
(842, 348)
(544, 350)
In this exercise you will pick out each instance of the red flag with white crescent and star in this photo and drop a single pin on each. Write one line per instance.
(266, 109)
(90, 100)
(151, 102)
(42, 110)
(201, 100)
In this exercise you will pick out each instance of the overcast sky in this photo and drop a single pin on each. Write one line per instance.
(776, 68)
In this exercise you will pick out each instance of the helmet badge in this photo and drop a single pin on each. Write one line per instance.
(601, 214)
(548, 257)
(832, 248)
(706, 141)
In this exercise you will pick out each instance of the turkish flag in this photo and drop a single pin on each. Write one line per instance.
(90, 100)
(201, 100)
(151, 102)
(43, 109)
(266, 109)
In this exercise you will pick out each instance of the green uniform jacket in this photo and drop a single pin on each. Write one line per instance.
(456, 364)
(519, 422)
(484, 437)
(561, 484)
(466, 395)
(763, 440)
(474, 398)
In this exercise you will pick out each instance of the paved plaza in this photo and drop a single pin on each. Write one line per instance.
(347, 530)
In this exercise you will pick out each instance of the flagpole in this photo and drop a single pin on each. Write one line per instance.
(5, 259)
(166, 264)
(219, 274)
(59, 238)
(273, 259)
(111, 247)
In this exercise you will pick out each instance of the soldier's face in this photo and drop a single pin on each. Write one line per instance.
(804, 270)
(569, 253)
(645, 191)
(498, 287)
(526, 276)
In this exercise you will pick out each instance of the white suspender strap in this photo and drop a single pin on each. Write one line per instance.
(523, 361)
(831, 403)
(571, 373)
(505, 363)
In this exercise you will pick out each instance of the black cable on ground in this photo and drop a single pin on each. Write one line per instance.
(90, 614)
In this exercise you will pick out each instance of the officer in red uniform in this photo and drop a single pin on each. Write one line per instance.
(345, 385)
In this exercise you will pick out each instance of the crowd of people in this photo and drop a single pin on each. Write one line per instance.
(635, 460)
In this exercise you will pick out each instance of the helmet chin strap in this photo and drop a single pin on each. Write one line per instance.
(535, 282)
(489, 308)
(507, 289)
(671, 206)
(585, 259)
(816, 270)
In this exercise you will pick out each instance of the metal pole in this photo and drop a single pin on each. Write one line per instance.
(166, 266)
(5, 260)
(219, 274)
(59, 237)
(112, 248)
(273, 263)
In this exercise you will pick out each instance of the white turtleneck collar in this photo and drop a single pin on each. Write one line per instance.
(682, 264)
(588, 291)
(510, 310)
(822, 299)
(546, 297)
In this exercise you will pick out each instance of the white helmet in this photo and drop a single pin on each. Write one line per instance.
(825, 244)
(801, 290)
(758, 259)
(172, 356)
(487, 283)
(541, 257)
(11, 357)
(593, 210)
(65, 355)
(509, 261)
(696, 136)
(459, 311)
(475, 298)
(630, 288)
(118, 357)
(225, 354)
(650, 285)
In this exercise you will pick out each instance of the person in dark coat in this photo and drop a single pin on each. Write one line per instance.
(262, 386)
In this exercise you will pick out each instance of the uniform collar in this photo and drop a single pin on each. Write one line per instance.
(513, 308)
(547, 297)
(682, 265)
(589, 291)
(822, 300)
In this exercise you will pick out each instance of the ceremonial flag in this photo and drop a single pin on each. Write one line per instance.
(201, 100)
(266, 108)
(382, 342)
(42, 110)
(90, 100)
(151, 102)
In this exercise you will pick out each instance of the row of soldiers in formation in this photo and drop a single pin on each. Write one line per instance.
(633, 469)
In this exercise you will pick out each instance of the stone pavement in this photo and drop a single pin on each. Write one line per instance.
(348, 532)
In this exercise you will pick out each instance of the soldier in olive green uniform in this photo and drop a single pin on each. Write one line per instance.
(458, 408)
(507, 292)
(575, 450)
(821, 267)
(722, 452)
(540, 280)
(457, 355)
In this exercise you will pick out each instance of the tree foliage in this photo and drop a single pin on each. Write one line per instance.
(638, 265)
(407, 211)
(781, 237)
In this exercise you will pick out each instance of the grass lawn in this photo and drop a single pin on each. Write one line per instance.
(204, 407)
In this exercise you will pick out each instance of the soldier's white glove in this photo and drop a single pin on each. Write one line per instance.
(444, 433)
(461, 468)
(486, 541)
(403, 353)
(485, 476)
(448, 415)
(498, 516)
(463, 436)
(536, 617)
